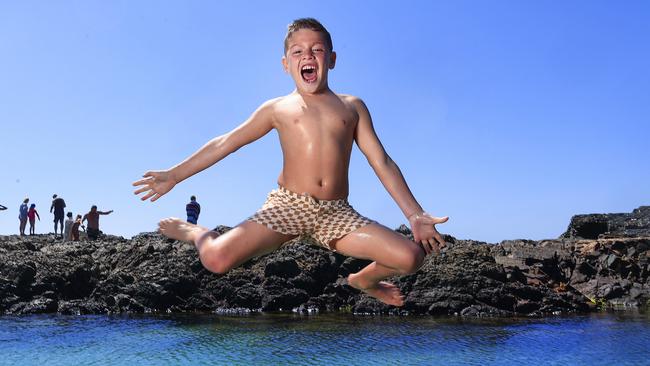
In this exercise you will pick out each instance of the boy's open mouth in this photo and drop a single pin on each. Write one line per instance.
(308, 73)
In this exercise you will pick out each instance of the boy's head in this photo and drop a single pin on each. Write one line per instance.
(32, 205)
(308, 55)
(193, 198)
(307, 23)
(93, 208)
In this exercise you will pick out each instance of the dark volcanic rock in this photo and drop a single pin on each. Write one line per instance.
(617, 225)
(586, 269)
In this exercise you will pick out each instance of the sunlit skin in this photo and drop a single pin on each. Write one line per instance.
(317, 129)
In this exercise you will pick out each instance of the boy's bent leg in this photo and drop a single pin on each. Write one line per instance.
(392, 253)
(220, 253)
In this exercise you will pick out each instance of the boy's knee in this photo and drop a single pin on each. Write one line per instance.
(214, 261)
(413, 261)
(215, 265)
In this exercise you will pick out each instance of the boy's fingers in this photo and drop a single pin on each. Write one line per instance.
(141, 181)
(439, 239)
(440, 220)
(434, 246)
(148, 195)
(425, 246)
(141, 190)
(155, 197)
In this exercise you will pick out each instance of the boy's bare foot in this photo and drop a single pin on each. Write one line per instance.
(178, 229)
(383, 291)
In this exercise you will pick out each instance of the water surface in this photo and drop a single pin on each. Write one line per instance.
(286, 339)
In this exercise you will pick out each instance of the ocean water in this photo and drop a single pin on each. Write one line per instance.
(289, 339)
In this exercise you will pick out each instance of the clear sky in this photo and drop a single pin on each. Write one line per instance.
(507, 116)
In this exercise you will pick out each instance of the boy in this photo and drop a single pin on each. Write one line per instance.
(316, 128)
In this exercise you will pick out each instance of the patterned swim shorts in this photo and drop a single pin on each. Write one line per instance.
(291, 213)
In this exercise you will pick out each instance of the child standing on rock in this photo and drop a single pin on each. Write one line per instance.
(32, 214)
(67, 229)
(317, 129)
(74, 230)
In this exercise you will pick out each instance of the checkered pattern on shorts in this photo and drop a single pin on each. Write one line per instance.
(291, 213)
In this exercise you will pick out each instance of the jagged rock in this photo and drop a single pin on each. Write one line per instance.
(578, 272)
(617, 225)
(285, 267)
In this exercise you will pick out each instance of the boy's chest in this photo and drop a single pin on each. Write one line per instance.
(318, 120)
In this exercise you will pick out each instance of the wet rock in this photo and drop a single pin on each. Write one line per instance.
(285, 300)
(483, 311)
(38, 305)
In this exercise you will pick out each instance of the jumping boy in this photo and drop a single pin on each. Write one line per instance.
(316, 128)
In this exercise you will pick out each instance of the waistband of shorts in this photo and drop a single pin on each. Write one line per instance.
(306, 197)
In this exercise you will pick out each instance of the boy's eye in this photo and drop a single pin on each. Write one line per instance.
(297, 52)
(317, 50)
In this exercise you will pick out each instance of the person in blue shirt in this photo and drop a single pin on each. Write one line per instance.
(22, 216)
(193, 210)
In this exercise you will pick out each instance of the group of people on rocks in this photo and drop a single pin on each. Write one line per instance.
(68, 230)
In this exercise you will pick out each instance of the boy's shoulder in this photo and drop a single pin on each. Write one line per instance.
(352, 100)
(293, 98)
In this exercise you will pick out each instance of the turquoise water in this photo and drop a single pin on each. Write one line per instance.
(603, 339)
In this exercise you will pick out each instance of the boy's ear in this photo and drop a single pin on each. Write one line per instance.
(285, 64)
(332, 60)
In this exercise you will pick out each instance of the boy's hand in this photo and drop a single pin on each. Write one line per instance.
(425, 233)
(156, 184)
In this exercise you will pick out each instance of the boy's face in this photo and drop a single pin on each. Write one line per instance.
(308, 60)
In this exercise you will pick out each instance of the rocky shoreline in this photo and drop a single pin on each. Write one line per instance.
(601, 261)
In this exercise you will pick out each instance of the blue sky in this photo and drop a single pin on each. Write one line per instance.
(507, 116)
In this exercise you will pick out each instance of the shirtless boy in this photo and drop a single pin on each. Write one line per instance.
(316, 128)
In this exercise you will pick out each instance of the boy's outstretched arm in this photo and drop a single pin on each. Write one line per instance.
(422, 224)
(157, 183)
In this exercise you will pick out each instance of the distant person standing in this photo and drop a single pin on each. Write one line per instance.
(68, 227)
(22, 216)
(58, 205)
(93, 222)
(74, 232)
(32, 214)
(193, 210)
